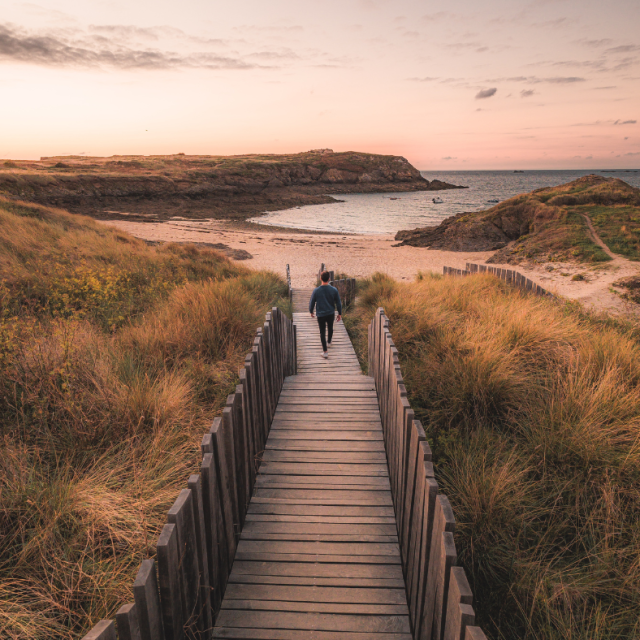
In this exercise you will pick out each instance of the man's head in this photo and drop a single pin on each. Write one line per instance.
(324, 276)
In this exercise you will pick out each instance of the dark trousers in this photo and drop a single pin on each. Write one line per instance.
(325, 321)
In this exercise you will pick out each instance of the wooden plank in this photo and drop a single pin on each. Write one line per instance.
(224, 486)
(317, 607)
(321, 510)
(330, 495)
(316, 528)
(320, 548)
(147, 599)
(416, 435)
(335, 581)
(214, 528)
(248, 427)
(460, 613)
(127, 623)
(289, 434)
(344, 519)
(270, 556)
(371, 571)
(204, 597)
(353, 457)
(169, 578)
(316, 621)
(315, 594)
(104, 630)
(422, 550)
(226, 432)
(437, 572)
(181, 515)
(293, 634)
(285, 444)
(316, 468)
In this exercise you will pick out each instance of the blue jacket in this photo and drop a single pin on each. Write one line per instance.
(324, 298)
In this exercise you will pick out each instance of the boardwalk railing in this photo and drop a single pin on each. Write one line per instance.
(289, 284)
(438, 592)
(346, 288)
(178, 594)
(508, 275)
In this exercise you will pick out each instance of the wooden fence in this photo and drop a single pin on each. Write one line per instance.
(508, 275)
(438, 592)
(178, 594)
(346, 288)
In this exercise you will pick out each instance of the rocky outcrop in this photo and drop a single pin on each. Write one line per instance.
(201, 186)
(541, 223)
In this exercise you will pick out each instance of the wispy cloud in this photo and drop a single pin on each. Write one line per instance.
(527, 93)
(625, 48)
(486, 93)
(619, 122)
(595, 44)
(424, 79)
(54, 49)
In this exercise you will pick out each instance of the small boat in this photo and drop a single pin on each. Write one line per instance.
(518, 171)
(437, 200)
(394, 198)
(493, 201)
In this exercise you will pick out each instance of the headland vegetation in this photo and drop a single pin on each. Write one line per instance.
(229, 187)
(548, 225)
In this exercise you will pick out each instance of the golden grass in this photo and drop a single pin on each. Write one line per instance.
(532, 409)
(114, 358)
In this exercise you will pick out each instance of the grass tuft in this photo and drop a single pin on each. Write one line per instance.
(114, 358)
(532, 409)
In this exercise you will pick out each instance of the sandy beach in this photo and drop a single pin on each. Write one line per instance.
(362, 255)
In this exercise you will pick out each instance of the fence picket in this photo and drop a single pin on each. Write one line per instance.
(169, 578)
(127, 623)
(147, 599)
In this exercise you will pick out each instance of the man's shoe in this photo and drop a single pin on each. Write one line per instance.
(328, 344)
(325, 354)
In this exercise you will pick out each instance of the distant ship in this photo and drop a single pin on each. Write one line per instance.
(493, 201)
(518, 171)
(437, 200)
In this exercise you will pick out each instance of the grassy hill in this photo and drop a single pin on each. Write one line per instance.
(546, 225)
(159, 187)
(114, 358)
(532, 409)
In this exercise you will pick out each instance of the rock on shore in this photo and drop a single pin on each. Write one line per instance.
(547, 223)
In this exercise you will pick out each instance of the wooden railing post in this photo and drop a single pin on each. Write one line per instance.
(438, 594)
(197, 546)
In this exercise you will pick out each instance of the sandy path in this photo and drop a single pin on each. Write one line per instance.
(362, 255)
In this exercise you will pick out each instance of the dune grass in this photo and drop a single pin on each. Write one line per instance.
(532, 409)
(114, 358)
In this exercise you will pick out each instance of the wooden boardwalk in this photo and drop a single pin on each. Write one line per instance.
(318, 557)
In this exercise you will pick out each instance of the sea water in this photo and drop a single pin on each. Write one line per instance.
(389, 212)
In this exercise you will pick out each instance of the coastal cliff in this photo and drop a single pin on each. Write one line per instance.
(545, 225)
(205, 186)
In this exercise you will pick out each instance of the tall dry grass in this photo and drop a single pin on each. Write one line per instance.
(114, 358)
(533, 412)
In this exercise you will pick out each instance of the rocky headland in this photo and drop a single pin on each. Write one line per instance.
(550, 224)
(160, 187)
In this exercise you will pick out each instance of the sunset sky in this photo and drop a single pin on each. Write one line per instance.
(457, 85)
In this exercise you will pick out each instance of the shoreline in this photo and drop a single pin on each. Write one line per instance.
(361, 255)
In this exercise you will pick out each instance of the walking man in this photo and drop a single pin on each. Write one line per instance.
(325, 299)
